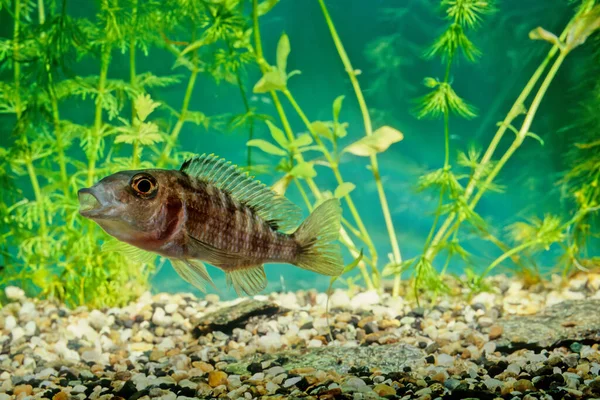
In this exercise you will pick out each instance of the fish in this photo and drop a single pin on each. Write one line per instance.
(210, 211)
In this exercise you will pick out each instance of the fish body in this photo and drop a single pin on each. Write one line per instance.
(211, 211)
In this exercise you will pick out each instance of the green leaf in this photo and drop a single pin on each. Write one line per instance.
(540, 33)
(303, 170)
(344, 189)
(283, 51)
(272, 80)
(302, 140)
(536, 137)
(380, 141)
(144, 106)
(337, 107)
(322, 129)
(278, 135)
(193, 46)
(350, 267)
(266, 6)
(266, 147)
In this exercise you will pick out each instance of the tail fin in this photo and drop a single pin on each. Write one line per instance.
(316, 237)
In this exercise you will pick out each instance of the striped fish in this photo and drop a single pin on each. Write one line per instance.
(211, 211)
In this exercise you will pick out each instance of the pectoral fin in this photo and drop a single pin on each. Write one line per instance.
(193, 272)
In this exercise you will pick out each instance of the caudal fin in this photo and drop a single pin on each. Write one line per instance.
(316, 237)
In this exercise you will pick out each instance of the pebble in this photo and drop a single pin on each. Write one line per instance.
(23, 389)
(14, 293)
(150, 350)
(384, 390)
(217, 378)
(496, 331)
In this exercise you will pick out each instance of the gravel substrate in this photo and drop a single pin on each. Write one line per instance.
(519, 343)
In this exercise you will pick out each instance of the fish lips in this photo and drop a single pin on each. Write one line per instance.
(93, 204)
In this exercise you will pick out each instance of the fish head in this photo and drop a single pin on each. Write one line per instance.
(127, 205)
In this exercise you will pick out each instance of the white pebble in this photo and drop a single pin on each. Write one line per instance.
(445, 359)
(10, 323)
(315, 343)
(79, 389)
(160, 317)
(4, 396)
(292, 381)
(171, 308)
(365, 299)
(271, 341)
(30, 328)
(339, 299)
(17, 333)
(97, 319)
(271, 387)
(166, 345)
(14, 293)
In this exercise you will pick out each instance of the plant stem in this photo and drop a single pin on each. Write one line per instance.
(35, 185)
(515, 110)
(182, 114)
(135, 153)
(60, 151)
(290, 134)
(368, 131)
(97, 134)
(41, 12)
(524, 128)
(336, 171)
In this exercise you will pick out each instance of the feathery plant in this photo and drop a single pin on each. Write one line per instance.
(45, 246)
(463, 198)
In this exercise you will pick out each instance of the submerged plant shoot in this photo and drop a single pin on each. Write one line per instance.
(404, 197)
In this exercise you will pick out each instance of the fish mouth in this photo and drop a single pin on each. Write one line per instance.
(89, 205)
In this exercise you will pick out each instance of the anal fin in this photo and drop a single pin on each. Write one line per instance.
(193, 272)
(249, 280)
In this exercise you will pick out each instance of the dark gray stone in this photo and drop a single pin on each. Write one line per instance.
(386, 358)
(227, 319)
(561, 324)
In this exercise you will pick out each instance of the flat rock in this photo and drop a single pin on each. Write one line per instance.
(565, 322)
(386, 358)
(228, 318)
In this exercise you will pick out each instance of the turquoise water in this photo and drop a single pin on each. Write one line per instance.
(508, 59)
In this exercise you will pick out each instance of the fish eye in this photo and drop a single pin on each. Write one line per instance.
(144, 185)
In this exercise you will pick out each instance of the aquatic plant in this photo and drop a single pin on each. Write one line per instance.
(46, 247)
(326, 136)
(484, 170)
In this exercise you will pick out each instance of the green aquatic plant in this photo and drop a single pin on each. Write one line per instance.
(297, 165)
(441, 102)
(45, 246)
(485, 170)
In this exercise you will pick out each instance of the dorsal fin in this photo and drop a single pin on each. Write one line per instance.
(278, 211)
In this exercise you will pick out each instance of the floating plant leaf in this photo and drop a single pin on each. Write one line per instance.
(303, 170)
(379, 142)
(283, 51)
(540, 33)
(337, 107)
(302, 141)
(266, 147)
(344, 189)
(278, 135)
(272, 80)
